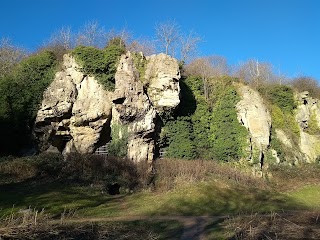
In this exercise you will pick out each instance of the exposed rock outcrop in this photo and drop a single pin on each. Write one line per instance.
(139, 99)
(308, 119)
(254, 115)
(75, 111)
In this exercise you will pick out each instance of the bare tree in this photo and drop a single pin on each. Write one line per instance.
(147, 47)
(208, 68)
(63, 37)
(309, 84)
(10, 55)
(255, 72)
(168, 35)
(91, 34)
(189, 45)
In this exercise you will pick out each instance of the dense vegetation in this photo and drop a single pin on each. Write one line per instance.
(23, 83)
(101, 63)
(20, 96)
(201, 131)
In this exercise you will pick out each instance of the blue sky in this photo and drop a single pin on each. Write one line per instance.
(285, 33)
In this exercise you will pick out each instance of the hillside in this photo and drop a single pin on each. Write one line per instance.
(141, 104)
(180, 141)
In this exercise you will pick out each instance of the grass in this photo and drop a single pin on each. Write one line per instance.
(307, 196)
(301, 225)
(186, 188)
(140, 229)
(203, 198)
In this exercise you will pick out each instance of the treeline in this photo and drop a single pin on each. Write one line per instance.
(204, 126)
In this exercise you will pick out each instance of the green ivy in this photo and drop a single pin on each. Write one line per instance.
(119, 141)
(21, 94)
(100, 63)
(180, 139)
(140, 62)
(281, 96)
(313, 127)
(228, 136)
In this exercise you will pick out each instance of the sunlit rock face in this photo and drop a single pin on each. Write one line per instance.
(162, 76)
(74, 112)
(140, 96)
(307, 117)
(254, 115)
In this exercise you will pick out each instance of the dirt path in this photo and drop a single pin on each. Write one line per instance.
(193, 226)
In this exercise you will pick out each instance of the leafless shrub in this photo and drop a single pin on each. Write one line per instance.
(307, 84)
(91, 34)
(145, 46)
(10, 56)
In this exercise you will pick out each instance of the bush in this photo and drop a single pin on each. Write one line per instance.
(180, 139)
(228, 136)
(280, 95)
(313, 127)
(100, 63)
(118, 145)
(20, 96)
(78, 168)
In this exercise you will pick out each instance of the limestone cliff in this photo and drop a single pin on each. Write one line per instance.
(254, 115)
(139, 98)
(76, 111)
(308, 119)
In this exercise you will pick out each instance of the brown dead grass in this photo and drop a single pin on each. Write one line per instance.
(285, 178)
(295, 225)
(171, 173)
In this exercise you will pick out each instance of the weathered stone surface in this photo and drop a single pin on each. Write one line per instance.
(138, 101)
(254, 115)
(74, 111)
(162, 74)
(280, 134)
(309, 144)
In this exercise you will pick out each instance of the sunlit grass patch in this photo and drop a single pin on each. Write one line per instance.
(308, 196)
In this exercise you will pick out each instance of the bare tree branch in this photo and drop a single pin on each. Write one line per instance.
(189, 45)
(10, 55)
(168, 34)
(92, 35)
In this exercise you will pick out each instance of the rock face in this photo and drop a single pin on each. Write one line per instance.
(140, 96)
(308, 119)
(254, 115)
(162, 78)
(75, 111)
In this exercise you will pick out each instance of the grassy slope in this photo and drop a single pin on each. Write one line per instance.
(217, 190)
(203, 198)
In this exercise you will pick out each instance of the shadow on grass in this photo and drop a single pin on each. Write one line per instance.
(210, 199)
(55, 197)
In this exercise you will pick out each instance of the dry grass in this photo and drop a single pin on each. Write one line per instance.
(31, 224)
(285, 178)
(171, 173)
(300, 225)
